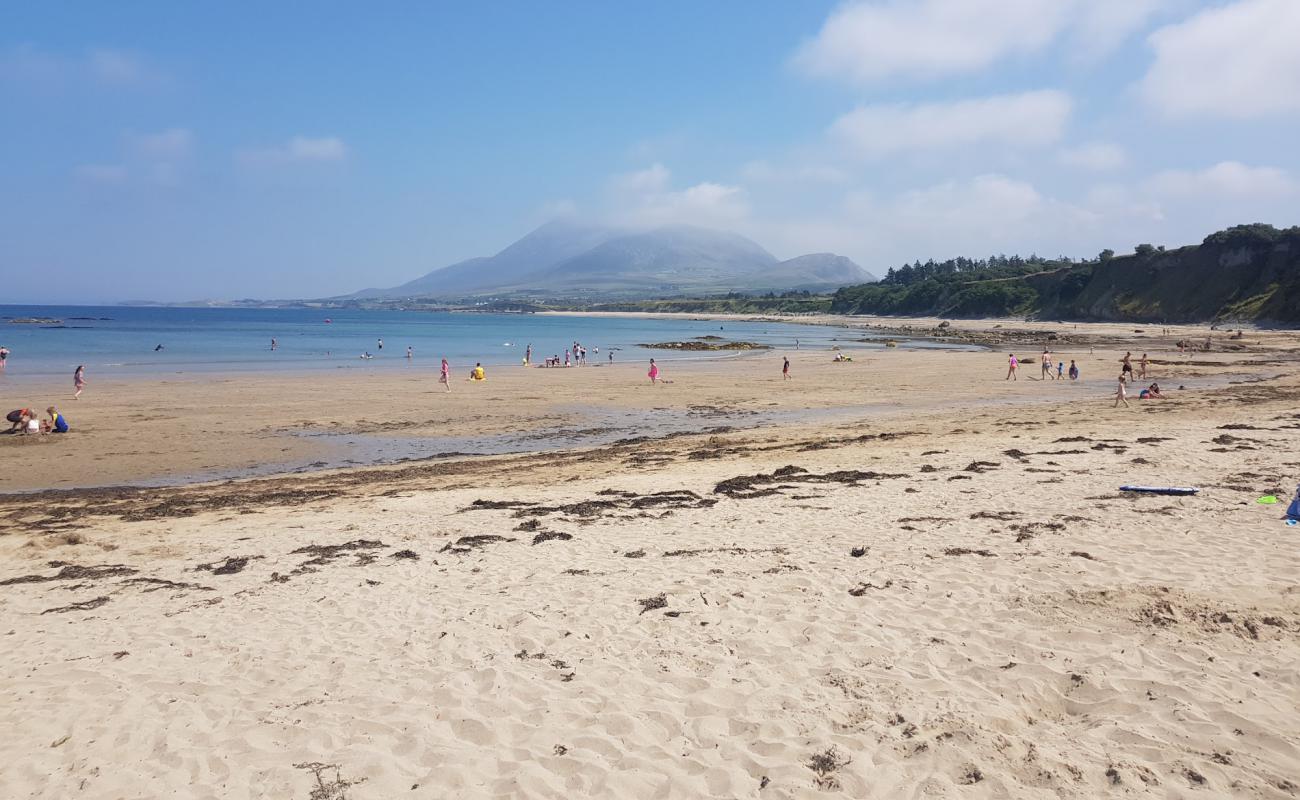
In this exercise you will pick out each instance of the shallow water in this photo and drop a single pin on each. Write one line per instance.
(122, 340)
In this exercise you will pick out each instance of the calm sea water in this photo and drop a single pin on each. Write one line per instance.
(121, 340)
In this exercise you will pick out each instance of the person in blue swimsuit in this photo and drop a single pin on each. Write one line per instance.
(58, 423)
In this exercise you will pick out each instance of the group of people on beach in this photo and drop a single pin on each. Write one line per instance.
(573, 356)
(1056, 371)
(27, 421)
(1049, 372)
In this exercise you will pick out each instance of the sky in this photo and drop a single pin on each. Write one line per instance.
(180, 151)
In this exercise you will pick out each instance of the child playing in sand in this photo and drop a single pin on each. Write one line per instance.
(1012, 364)
(18, 419)
(56, 423)
(1121, 396)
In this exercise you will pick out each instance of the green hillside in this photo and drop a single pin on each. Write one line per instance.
(1249, 273)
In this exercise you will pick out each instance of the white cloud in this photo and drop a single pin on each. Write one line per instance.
(102, 173)
(1239, 61)
(1101, 25)
(1097, 156)
(651, 179)
(875, 40)
(644, 198)
(116, 67)
(1032, 118)
(297, 149)
(168, 145)
(1225, 179)
(329, 148)
(765, 172)
(32, 67)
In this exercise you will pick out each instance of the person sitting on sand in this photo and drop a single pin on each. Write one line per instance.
(1152, 392)
(477, 374)
(18, 419)
(57, 423)
(33, 425)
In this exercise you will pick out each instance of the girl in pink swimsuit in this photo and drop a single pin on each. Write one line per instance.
(1012, 363)
(445, 378)
(654, 371)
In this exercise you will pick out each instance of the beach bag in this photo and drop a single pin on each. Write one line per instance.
(1293, 510)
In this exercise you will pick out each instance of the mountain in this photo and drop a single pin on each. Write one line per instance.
(569, 258)
(667, 258)
(811, 271)
(1248, 273)
(550, 244)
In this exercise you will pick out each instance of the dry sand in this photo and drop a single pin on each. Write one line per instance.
(943, 595)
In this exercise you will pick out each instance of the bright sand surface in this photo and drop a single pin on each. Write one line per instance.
(932, 589)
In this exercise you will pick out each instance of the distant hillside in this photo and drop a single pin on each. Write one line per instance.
(572, 260)
(1249, 273)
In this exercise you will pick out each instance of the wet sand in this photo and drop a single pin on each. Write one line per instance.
(922, 581)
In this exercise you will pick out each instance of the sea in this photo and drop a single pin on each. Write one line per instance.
(149, 340)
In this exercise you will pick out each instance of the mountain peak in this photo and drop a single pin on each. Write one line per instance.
(567, 255)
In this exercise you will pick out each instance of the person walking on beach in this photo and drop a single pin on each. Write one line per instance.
(1121, 396)
(528, 354)
(4, 356)
(1047, 366)
(1012, 364)
(785, 369)
(445, 377)
(654, 372)
(1142, 367)
(79, 380)
(1126, 365)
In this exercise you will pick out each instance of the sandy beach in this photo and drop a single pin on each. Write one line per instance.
(902, 576)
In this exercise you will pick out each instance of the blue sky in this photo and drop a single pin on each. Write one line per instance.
(178, 151)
